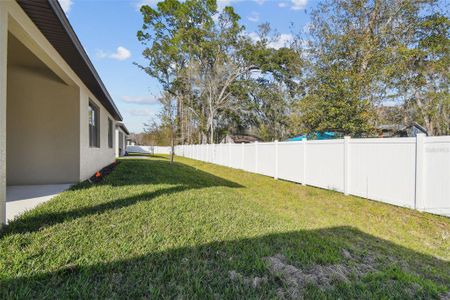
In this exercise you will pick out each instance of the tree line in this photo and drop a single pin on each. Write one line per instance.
(362, 64)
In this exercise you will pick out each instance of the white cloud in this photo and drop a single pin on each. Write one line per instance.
(298, 4)
(282, 4)
(144, 100)
(253, 36)
(121, 53)
(141, 112)
(146, 2)
(283, 40)
(222, 3)
(65, 5)
(260, 2)
(254, 17)
(280, 41)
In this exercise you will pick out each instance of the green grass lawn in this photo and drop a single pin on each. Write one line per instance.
(197, 230)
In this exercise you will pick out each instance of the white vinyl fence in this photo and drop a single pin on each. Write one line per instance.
(408, 172)
(148, 149)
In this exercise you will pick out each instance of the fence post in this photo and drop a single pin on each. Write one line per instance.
(304, 142)
(346, 165)
(419, 202)
(256, 157)
(276, 160)
(242, 155)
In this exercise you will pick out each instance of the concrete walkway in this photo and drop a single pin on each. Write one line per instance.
(20, 198)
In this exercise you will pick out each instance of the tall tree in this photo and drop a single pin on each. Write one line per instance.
(202, 57)
(354, 44)
(168, 116)
(422, 78)
(171, 32)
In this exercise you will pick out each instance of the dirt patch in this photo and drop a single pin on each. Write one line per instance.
(254, 282)
(99, 175)
(295, 280)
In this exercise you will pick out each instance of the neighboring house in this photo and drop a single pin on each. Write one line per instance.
(122, 134)
(398, 130)
(239, 139)
(57, 119)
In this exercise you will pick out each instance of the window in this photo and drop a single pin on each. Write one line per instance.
(94, 126)
(110, 133)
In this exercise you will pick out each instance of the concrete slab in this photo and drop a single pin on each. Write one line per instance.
(20, 198)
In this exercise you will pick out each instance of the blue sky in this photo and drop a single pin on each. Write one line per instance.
(107, 30)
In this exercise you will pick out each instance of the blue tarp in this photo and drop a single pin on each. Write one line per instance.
(327, 135)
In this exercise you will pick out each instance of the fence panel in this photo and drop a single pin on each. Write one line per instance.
(250, 158)
(223, 154)
(235, 155)
(408, 172)
(149, 149)
(203, 152)
(140, 149)
(161, 150)
(325, 164)
(383, 169)
(290, 161)
(266, 159)
(436, 175)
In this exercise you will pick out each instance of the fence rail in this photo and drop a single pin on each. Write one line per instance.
(408, 172)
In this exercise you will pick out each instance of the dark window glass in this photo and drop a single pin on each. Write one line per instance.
(110, 133)
(94, 126)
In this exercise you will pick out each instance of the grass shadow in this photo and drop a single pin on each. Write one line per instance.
(157, 171)
(339, 262)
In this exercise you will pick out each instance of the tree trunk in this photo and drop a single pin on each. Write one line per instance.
(211, 132)
(172, 148)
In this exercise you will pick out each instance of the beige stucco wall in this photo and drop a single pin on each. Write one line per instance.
(94, 159)
(90, 159)
(42, 122)
(64, 86)
(3, 78)
(120, 143)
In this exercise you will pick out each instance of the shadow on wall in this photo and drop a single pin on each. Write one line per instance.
(339, 262)
(177, 176)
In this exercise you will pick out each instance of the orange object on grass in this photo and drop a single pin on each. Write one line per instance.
(98, 174)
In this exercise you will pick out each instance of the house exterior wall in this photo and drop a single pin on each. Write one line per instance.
(120, 145)
(42, 122)
(89, 159)
(81, 160)
(93, 159)
(3, 78)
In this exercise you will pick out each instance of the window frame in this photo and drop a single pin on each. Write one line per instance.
(94, 129)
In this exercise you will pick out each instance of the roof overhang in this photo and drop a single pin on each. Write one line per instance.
(123, 127)
(51, 20)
